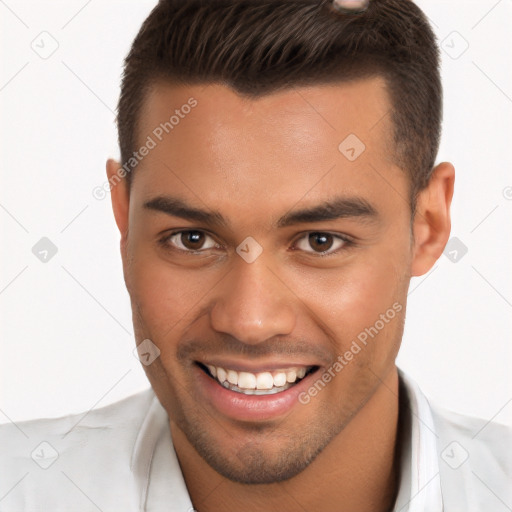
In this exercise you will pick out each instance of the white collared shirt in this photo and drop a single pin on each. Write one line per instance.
(121, 458)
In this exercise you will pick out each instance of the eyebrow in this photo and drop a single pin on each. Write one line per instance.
(336, 208)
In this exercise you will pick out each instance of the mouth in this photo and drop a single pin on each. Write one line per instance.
(242, 391)
(268, 382)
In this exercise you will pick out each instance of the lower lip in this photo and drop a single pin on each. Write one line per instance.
(243, 407)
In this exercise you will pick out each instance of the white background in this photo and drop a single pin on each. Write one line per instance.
(66, 332)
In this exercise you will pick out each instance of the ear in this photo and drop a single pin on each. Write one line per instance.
(120, 196)
(432, 223)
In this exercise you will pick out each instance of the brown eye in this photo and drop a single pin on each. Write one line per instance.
(190, 241)
(322, 242)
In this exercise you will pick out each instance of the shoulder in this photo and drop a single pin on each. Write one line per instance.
(475, 459)
(485, 438)
(69, 452)
(93, 424)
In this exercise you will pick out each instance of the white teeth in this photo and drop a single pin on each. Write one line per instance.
(247, 380)
(291, 376)
(257, 383)
(280, 379)
(233, 377)
(221, 375)
(264, 381)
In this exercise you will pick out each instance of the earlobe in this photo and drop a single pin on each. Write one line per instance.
(432, 222)
(120, 197)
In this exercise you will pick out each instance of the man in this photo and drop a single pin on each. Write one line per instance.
(276, 192)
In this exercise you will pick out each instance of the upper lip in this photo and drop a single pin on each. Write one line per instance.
(256, 367)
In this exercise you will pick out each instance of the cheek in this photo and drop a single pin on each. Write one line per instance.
(164, 293)
(351, 299)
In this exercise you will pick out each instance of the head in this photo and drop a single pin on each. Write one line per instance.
(278, 192)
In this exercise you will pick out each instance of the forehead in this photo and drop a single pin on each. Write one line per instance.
(211, 142)
(357, 106)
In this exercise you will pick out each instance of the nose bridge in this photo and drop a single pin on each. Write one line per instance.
(253, 304)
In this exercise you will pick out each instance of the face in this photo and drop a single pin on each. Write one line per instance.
(261, 253)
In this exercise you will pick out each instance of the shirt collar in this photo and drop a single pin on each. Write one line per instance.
(420, 485)
(161, 482)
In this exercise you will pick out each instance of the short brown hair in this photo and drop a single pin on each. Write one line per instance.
(257, 47)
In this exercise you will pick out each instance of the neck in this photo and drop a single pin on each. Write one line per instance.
(358, 470)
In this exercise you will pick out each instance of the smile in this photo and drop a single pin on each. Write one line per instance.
(260, 383)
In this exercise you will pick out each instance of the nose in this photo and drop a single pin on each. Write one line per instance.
(253, 304)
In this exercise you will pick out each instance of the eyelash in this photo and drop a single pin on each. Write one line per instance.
(348, 243)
